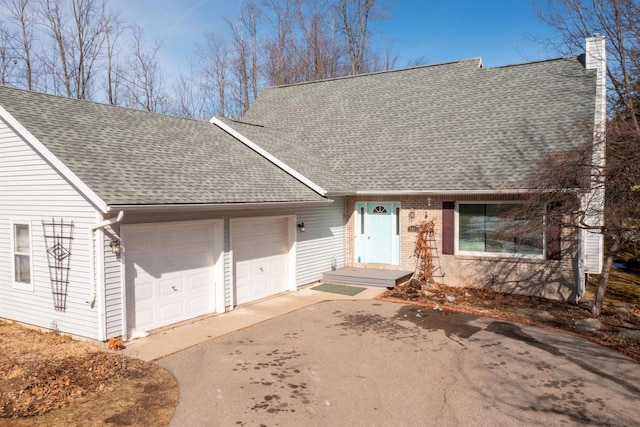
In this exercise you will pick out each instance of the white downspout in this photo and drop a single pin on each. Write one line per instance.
(92, 261)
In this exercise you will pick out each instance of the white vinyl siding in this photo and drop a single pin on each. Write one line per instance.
(31, 191)
(323, 240)
(112, 284)
(594, 243)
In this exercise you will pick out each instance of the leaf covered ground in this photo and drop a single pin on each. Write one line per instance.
(50, 379)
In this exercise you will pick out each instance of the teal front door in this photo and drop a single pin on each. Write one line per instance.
(377, 239)
(379, 221)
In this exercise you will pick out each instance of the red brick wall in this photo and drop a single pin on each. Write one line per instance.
(548, 278)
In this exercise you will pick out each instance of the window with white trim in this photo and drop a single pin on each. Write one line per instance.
(21, 252)
(483, 228)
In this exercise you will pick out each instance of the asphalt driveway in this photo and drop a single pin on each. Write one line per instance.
(370, 363)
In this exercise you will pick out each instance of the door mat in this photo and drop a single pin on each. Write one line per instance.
(338, 289)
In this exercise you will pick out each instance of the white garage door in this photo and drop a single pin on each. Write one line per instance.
(260, 255)
(169, 273)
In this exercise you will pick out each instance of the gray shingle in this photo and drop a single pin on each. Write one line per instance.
(134, 157)
(448, 127)
(295, 153)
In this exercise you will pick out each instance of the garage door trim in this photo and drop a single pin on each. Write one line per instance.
(218, 266)
(291, 256)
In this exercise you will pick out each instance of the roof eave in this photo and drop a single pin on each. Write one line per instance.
(215, 206)
(453, 192)
(439, 192)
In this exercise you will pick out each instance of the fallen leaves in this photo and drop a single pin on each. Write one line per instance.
(42, 371)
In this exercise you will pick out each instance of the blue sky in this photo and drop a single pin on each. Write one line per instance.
(500, 31)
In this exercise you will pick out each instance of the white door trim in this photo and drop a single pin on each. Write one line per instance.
(291, 256)
(218, 269)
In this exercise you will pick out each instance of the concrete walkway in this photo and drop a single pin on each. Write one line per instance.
(176, 338)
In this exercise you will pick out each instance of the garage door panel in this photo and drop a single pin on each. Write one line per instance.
(261, 250)
(140, 239)
(198, 306)
(171, 286)
(167, 262)
(172, 312)
(279, 265)
(169, 273)
(242, 270)
(261, 258)
(144, 316)
(199, 283)
(137, 269)
(197, 258)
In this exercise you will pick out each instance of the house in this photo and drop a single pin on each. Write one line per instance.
(114, 220)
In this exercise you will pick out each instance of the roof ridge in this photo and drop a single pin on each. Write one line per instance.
(375, 73)
(247, 123)
(537, 61)
(89, 101)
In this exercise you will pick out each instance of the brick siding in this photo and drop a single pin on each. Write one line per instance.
(548, 278)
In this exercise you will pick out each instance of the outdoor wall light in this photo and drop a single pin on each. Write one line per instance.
(115, 247)
(412, 214)
(301, 227)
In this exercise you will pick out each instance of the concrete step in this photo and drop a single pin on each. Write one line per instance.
(367, 276)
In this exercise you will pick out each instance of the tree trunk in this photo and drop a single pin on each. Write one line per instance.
(596, 308)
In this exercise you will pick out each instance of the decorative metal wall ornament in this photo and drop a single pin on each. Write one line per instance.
(58, 237)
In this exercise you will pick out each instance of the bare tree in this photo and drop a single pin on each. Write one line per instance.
(322, 56)
(245, 61)
(615, 182)
(575, 169)
(114, 28)
(77, 38)
(280, 47)
(383, 60)
(7, 60)
(188, 102)
(619, 22)
(20, 41)
(249, 20)
(354, 19)
(214, 75)
(239, 69)
(144, 77)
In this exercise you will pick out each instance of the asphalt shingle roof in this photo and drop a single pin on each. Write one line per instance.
(134, 157)
(296, 154)
(447, 127)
